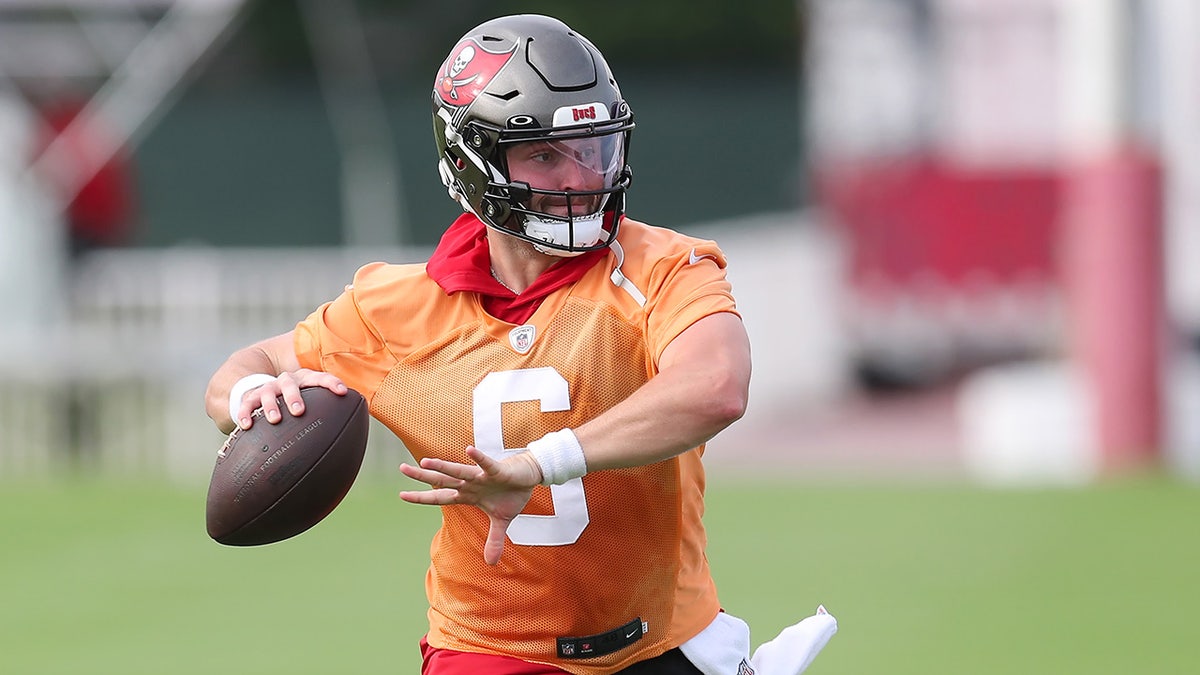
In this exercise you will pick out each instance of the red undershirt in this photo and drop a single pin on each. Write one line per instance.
(461, 262)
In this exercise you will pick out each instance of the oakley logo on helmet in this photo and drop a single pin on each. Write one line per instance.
(468, 71)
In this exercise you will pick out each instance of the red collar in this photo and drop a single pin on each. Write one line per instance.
(461, 263)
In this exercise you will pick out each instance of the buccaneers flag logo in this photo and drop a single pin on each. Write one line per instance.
(468, 70)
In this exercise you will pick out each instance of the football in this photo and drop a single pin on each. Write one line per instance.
(274, 481)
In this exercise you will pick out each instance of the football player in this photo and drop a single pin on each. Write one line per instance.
(555, 368)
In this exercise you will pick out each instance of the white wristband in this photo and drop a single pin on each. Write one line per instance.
(242, 386)
(560, 456)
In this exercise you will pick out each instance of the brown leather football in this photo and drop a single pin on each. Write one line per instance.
(274, 481)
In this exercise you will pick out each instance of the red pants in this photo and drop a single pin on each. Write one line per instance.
(449, 662)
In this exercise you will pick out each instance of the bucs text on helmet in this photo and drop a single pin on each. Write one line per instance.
(532, 80)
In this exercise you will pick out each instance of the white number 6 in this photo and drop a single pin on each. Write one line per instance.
(530, 384)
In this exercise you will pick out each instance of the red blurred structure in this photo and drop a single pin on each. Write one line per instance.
(921, 216)
(1112, 273)
(966, 149)
(102, 211)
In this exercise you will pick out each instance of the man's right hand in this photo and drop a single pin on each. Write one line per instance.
(288, 385)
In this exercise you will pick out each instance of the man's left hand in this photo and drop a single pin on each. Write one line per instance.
(500, 488)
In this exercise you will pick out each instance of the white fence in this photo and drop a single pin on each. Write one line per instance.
(117, 385)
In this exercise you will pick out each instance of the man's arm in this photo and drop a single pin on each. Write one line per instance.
(702, 387)
(274, 356)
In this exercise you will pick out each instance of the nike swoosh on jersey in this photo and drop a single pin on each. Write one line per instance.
(693, 258)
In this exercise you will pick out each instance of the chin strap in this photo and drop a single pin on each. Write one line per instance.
(589, 228)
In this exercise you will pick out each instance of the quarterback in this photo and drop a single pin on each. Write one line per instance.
(555, 369)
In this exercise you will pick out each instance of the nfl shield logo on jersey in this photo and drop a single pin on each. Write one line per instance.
(744, 668)
(521, 337)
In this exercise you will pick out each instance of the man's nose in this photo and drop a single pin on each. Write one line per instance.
(575, 176)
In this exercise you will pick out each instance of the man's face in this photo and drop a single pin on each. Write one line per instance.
(570, 165)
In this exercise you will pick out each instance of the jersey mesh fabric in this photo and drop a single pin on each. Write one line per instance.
(641, 551)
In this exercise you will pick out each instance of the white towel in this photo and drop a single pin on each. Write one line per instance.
(795, 647)
(723, 647)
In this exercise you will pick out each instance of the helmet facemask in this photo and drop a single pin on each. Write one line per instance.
(566, 190)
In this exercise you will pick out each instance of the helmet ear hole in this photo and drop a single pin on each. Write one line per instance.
(455, 158)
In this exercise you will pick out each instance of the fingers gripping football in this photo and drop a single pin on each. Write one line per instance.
(500, 488)
(288, 385)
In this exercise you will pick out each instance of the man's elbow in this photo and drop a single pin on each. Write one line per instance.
(734, 408)
(727, 403)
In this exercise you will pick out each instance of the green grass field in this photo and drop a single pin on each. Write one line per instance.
(108, 578)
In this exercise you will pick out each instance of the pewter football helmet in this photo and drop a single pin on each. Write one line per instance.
(531, 79)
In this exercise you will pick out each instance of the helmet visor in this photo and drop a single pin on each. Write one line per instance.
(568, 176)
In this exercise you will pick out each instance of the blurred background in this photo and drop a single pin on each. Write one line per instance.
(961, 231)
(963, 234)
(185, 177)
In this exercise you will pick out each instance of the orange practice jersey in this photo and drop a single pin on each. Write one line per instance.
(584, 557)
